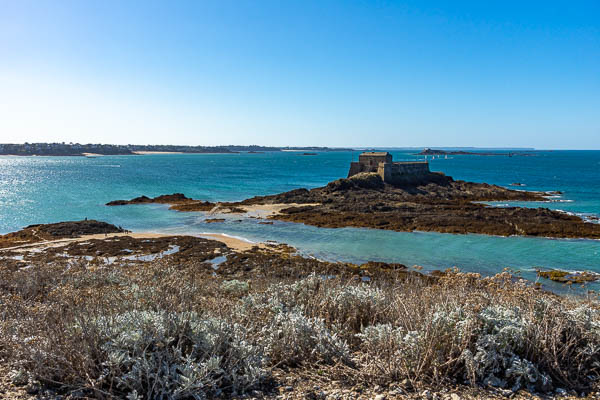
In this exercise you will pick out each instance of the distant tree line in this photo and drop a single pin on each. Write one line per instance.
(62, 149)
(77, 149)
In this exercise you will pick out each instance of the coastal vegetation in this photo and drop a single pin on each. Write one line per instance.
(61, 149)
(183, 317)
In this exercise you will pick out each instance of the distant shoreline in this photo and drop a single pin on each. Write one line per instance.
(135, 153)
(94, 150)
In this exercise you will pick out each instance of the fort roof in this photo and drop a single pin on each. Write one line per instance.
(375, 153)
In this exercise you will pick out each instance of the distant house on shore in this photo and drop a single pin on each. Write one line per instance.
(390, 171)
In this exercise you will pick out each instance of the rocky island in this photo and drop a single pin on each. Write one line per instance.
(445, 206)
(381, 194)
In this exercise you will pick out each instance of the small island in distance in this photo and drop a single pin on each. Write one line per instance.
(438, 152)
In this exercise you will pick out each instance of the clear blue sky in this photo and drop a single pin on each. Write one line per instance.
(331, 73)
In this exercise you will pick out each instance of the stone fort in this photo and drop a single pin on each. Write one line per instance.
(390, 171)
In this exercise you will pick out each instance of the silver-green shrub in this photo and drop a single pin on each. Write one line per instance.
(235, 287)
(291, 338)
(176, 355)
(288, 335)
(495, 360)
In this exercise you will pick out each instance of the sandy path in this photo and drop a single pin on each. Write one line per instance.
(156, 152)
(258, 210)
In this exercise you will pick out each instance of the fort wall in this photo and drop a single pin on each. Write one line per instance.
(356, 168)
(390, 172)
(403, 172)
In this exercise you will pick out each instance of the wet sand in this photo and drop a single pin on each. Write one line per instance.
(156, 152)
(232, 242)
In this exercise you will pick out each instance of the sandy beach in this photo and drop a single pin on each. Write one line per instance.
(232, 242)
(156, 152)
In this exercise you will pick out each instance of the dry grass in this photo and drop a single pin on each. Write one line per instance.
(166, 330)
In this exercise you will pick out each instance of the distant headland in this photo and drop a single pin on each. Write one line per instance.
(91, 150)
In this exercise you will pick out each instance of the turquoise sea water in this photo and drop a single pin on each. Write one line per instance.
(50, 189)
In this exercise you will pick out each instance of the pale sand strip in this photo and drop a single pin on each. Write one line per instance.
(62, 242)
(141, 152)
(258, 210)
(156, 152)
(231, 242)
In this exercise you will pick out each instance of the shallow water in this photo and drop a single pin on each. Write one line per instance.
(50, 189)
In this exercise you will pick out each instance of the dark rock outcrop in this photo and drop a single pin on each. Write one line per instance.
(163, 199)
(178, 201)
(59, 230)
(567, 277)
(363, 180)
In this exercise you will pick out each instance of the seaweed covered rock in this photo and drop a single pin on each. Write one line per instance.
(568, 277)
(178, 201)
(76, 228)
(59, 230)
(162, 199)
